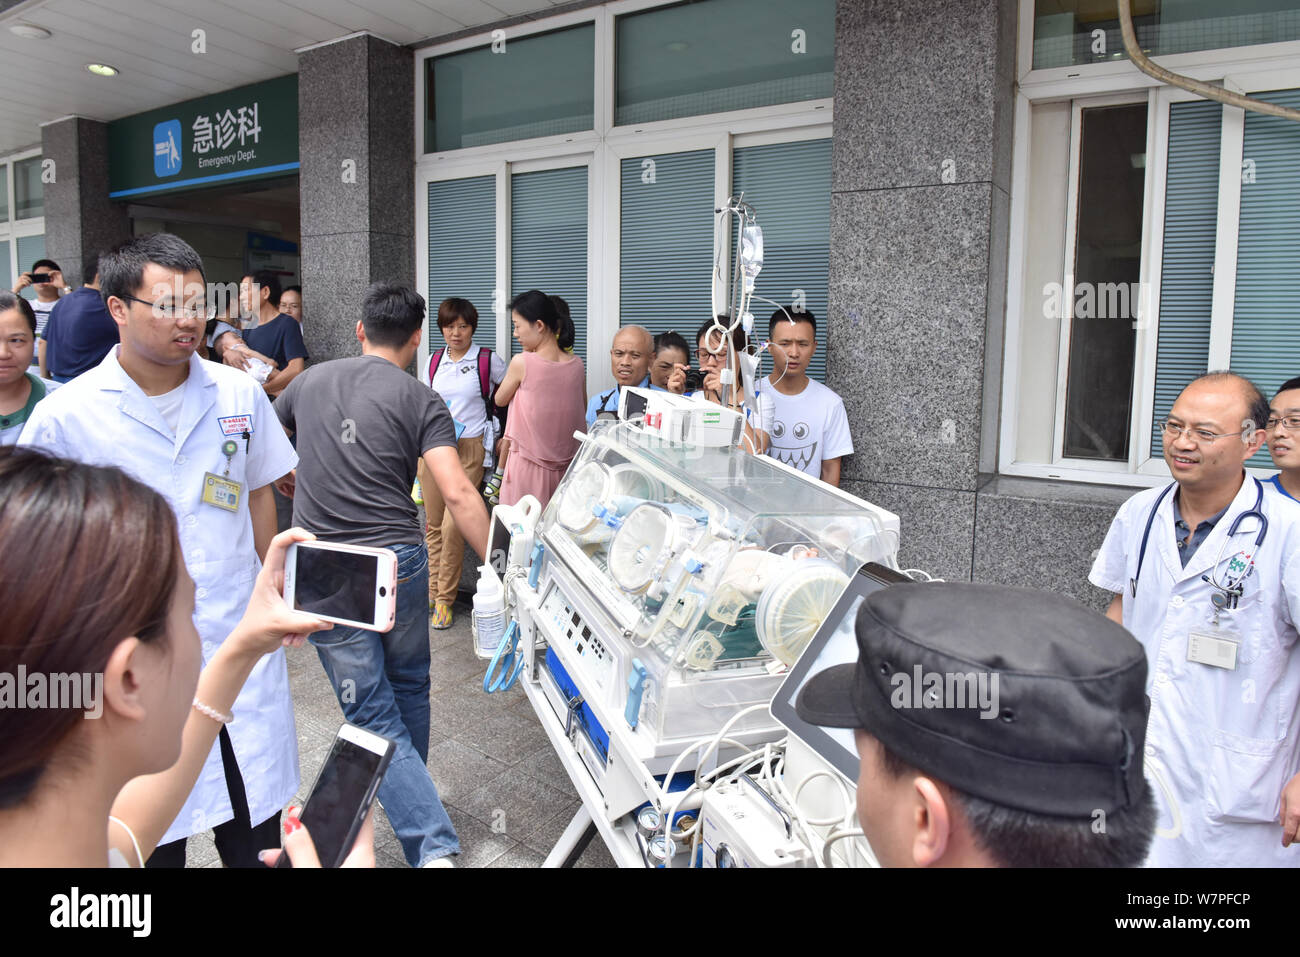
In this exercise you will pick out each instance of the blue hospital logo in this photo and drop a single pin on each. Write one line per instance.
(167, 148)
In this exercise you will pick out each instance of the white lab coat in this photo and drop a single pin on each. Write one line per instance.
(1220, 744)
(104, 418)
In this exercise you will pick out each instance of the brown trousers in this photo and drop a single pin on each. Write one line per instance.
(445, 542)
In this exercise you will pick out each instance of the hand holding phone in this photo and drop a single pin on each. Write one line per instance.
(340, 800)
(300, 848)
(269, 621)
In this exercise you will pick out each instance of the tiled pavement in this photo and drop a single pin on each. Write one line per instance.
(488, 755)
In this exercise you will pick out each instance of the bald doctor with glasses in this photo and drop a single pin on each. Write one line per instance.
(1205, 572)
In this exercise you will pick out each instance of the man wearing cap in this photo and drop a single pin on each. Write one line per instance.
(997, 727)
(1213, 593)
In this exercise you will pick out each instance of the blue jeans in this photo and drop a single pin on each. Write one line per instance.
(382, 683)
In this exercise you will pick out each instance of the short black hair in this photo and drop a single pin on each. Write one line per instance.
(11, 300)
(294, 288)
(89, 270)
(47, 264)
(1256, 404)
(121, 269)
(1289, 384)
(390, 314)
(791, 315)
(453, 308)
(1015, 838)
(267, 279)
(672, 340)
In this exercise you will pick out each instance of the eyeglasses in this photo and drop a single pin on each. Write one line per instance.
(1292, 423)
(170, 310)
(704, 355)
(1197, 436)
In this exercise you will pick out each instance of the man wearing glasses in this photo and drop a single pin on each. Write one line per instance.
(205, 437)
(1284, 438)
(1205, 572)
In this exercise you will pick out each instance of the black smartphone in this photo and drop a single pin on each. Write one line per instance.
(344, 790)
(40, 277)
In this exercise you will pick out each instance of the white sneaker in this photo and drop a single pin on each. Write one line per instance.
(445, 861)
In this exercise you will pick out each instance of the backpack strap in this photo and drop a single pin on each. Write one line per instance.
(485, 386)
(434, 361)
(485, 375)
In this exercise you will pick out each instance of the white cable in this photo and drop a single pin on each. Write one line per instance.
(920, 575)
(844, 795)
(837, 836)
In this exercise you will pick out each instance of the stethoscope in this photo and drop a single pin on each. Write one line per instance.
(1239, 568)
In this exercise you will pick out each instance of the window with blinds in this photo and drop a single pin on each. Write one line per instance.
(30, 249)
(462, 252)
(666, 237)
(1264, 342)
(789, 184)
(548, 241)
(1187, 264)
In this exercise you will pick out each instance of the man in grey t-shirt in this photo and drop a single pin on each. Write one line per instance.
(361, 425)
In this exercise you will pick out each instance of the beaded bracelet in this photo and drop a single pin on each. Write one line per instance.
(212, 713)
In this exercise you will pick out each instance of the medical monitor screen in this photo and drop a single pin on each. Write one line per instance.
(499, 546)
(834, 644)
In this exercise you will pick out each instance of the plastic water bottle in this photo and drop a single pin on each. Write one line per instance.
(489, 611)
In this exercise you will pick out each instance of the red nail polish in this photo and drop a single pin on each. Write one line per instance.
(291, 824)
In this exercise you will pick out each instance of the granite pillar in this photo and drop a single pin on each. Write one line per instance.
(80, 220)
(356, 115)
(919, 199)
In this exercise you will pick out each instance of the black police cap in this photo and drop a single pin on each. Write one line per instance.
(1059, 711)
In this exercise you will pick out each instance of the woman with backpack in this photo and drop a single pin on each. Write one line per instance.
(465, 376)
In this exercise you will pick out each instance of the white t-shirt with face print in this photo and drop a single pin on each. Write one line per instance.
(809, 427)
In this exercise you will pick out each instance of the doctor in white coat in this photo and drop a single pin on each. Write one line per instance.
(1215, 599)
(206, 438)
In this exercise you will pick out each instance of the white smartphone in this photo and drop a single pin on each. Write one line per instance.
(348, 584)
(343, 793)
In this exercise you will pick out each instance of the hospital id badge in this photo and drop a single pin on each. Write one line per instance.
(1218, 650)
(221, 492)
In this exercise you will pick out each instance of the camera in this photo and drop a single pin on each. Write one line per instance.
(694, 380)
(40, 277)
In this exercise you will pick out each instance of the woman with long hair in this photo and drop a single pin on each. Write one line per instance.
(98, 637)
(547, 385)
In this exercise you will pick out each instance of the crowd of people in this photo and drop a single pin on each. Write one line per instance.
(141, 396)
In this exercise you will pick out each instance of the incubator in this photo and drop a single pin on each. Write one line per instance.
(658, 603)
(668, 589)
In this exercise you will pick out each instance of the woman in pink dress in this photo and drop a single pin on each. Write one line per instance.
(546, 389)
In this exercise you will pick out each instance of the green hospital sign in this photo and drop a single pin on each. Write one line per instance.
(247, 133)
